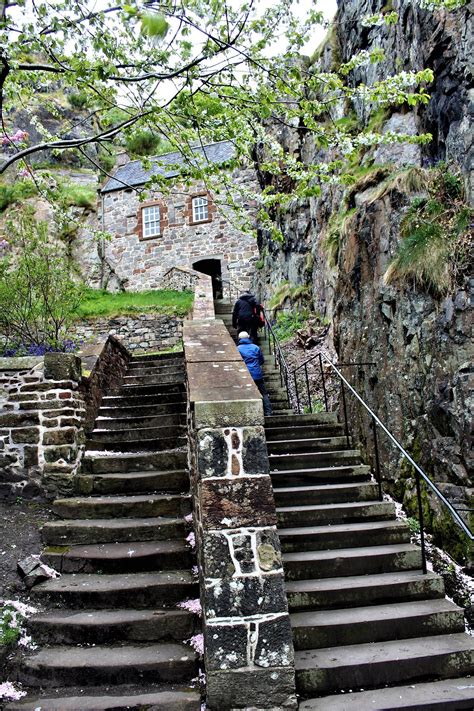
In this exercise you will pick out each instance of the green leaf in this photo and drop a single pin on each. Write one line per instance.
(154, 25)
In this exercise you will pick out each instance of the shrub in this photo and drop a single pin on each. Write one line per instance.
(78, 99)
(37, 292)
(20, 190)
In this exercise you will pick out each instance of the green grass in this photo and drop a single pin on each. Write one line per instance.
(97, 303)
(288, 323)
(78, 195)
(16, 192)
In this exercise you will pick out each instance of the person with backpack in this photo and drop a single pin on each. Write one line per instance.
(246, 314)
(253, 358)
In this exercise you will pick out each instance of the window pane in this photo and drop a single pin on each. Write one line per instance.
(151, 221)
(200, 209)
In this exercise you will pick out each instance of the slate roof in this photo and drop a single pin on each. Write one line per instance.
(134, 174)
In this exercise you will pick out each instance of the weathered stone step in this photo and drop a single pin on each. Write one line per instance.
(140, 506)
(344, 535)
(377, 623)
(133, 482)
(326, 474)
(446, 695)
(324, 494)
(154, 366)
(130, 664)
(351, 561)
(131, 557)
(131, 423)
(110, 626)
(324, 514)
(308, 460)
(387, 663)
(135, 433)
(290, 420)
(140, 444)
(116, 700)
(315, 444)
(111, 530)
(158, 357)
(134, 462)
(358, 591)
(137, 591)
(175, 375)
(303, 432)
(174, 386)
(127, 399)
(155, 409)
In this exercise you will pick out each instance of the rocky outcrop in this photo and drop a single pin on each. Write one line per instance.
(338, 247)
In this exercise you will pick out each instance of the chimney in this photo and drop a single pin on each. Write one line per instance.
(121, 159)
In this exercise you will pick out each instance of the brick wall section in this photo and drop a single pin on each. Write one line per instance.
(143, 262)
(146, 332)
(41, 425)
(248, 639)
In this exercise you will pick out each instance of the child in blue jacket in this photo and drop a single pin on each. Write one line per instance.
(253, 358)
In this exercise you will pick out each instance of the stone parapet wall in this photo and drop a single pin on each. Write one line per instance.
(41, 424)
(248, 639)
(141, 333)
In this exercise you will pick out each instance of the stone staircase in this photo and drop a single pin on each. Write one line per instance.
(111, 635)
(370, 630)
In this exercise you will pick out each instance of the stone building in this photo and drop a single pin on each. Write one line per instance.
(182, 227)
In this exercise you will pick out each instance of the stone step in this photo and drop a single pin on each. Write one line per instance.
(163, 388)
(126, 399)
(111, 530)
(155, 409)
(343, 536)
(324, 514)
(158, 357)
(130, 664)
(351, 561)
(130, 557)
(386, 663)
(153, 378)
(324, 494)
(168, 421)
(71, 700)
(111, 626)
(377, 623)
(308, 460)
(154, 367)
(134, 462)
(133, 482)
(133, 434)
(138, 591)
(445, 695)
(359, 591)
(303, 432)
(326, 474)
(315, 444)
(153, 444)
(291, 420)
(134, 506)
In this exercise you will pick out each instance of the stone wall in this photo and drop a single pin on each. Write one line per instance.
(41, 424)
(144, 332)
(133, 262)
(248, 639)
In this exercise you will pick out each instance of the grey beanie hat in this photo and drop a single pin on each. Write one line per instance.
(244, 334)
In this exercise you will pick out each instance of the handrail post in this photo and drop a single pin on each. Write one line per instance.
(323, 382)
(377, 458)
(296, 393)
(344, 407)
(420, 519)
(310, 404)
(274, 350)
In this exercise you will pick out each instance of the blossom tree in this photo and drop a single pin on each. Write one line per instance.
(194, 72)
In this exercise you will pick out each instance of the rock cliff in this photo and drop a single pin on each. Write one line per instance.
(339, 246)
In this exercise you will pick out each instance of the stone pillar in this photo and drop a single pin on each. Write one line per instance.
(248, 640)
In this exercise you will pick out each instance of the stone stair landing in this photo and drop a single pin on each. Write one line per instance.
(111, 635)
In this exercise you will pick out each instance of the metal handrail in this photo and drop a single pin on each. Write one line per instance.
(279, 357)
(376, 422)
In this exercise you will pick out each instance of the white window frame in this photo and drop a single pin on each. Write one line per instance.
(200, 206)
(151, 220)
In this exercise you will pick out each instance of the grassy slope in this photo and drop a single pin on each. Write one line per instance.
(98, 303)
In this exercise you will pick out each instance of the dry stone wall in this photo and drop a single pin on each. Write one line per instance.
(144, 332)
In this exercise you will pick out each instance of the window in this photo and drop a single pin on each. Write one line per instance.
(200, 209)
(151, 221)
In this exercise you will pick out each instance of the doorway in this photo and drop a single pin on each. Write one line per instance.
(211, 267)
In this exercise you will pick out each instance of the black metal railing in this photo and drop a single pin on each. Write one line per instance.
(276, 353)
(376, 424)
(229, 290)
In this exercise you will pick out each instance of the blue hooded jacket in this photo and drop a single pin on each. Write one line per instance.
(253, 357)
